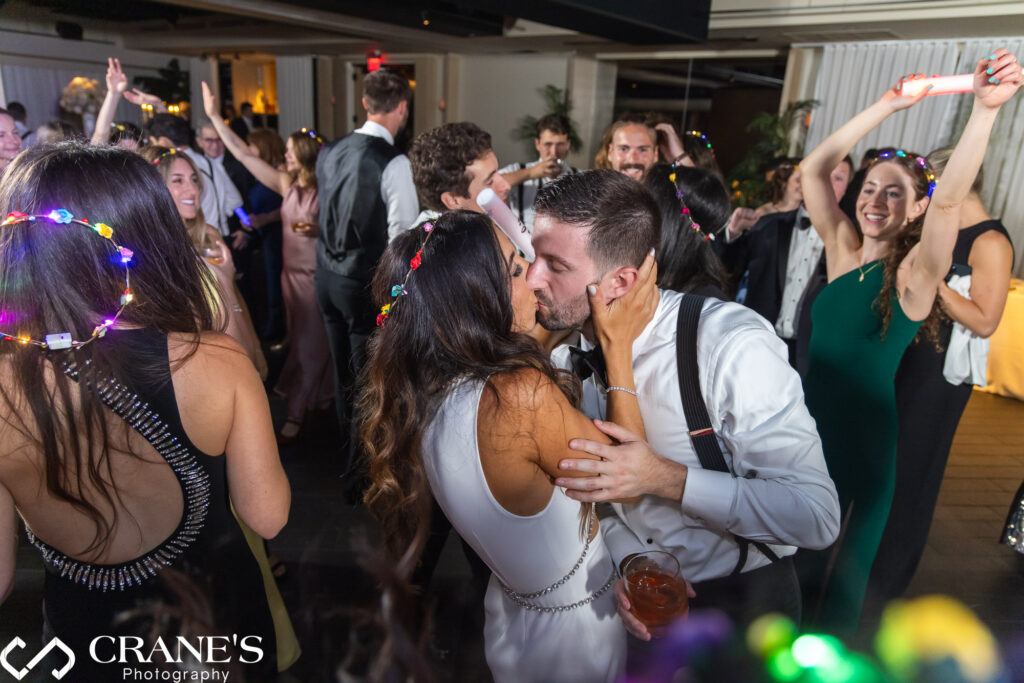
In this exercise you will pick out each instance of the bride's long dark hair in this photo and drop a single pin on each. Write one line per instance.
(454, 323)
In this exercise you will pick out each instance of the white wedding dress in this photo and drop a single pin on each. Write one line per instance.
(526, 638)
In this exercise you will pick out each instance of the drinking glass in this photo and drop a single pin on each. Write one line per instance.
(655, 588)
(214, 255)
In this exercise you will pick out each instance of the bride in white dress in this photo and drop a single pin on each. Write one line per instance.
(460, 398)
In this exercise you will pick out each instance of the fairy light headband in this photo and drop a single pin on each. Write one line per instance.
(919, 161)
(685, 210)
(311, 133)
(398, 291)
(702, 136)
(170, 152)
(63, 340)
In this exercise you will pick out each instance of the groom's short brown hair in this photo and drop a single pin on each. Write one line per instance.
(620, 214)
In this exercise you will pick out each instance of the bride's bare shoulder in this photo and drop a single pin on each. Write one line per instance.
(522, 393)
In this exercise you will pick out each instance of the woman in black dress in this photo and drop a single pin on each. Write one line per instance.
(125, 443)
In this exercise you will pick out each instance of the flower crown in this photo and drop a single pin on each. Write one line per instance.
(685, 210)
(919, 162)
(63, 340)
(400, 290)
(311, 133)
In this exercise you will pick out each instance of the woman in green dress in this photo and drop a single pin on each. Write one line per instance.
(879, 292)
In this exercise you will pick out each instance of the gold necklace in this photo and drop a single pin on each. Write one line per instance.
(865, 272)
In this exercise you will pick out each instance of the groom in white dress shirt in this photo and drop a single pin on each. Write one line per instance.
(597, 227)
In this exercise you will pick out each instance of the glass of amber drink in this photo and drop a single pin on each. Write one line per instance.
(214, 254)
(655, 588)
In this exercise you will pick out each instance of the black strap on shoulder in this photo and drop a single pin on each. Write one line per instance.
(698, 422)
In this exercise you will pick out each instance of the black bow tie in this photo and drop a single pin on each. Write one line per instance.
(586, 363)
(804, 222)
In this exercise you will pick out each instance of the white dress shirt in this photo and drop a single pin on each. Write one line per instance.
(425, 215)
(396, 186)
(220, 197)
(777, 491)
(805, 249)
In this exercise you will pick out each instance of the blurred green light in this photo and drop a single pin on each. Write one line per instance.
(812, 651)
(782, 666)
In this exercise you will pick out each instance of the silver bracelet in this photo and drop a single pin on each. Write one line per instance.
(628, 391)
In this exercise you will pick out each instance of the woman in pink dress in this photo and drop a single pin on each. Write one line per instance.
(307, 380)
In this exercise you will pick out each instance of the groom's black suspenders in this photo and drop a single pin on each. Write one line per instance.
(701, 432)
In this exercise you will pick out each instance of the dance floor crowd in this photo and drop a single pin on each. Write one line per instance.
(648, 416)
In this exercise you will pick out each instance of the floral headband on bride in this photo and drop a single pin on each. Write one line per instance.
(399, 290)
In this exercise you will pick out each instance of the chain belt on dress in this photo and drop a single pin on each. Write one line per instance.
(523, 599)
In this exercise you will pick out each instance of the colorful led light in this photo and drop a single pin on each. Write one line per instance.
(60, 340)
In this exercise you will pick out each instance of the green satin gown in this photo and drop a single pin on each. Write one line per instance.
(850, 389)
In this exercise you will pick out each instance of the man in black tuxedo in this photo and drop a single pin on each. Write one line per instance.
(784, 261)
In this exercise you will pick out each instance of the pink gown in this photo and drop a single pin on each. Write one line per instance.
(307, 378)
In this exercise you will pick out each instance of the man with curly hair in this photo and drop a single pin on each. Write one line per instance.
(451, 164)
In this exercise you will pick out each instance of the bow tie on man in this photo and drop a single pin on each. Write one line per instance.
(803, 222)
(586, 363)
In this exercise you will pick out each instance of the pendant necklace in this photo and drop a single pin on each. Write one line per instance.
(865, 272)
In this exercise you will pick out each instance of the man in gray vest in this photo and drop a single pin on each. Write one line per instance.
(366, 191)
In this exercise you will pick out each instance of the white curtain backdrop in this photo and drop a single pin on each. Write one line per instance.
(294, 94)
(39, 89)
(853, 75)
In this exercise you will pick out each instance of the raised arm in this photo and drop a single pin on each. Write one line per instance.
(276, 180)
(833, 226)
(136, 96)
(117, 84)
(996, 79)
(617, 325)
(545, 169)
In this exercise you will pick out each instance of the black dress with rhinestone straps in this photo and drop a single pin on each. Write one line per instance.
(201, 584)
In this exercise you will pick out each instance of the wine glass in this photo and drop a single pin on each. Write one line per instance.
(656, 588)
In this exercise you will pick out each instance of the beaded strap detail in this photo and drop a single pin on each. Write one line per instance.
(195, 482)
(523, 599)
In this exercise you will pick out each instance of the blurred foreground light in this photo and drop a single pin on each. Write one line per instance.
(922, 633)
(770, 633)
